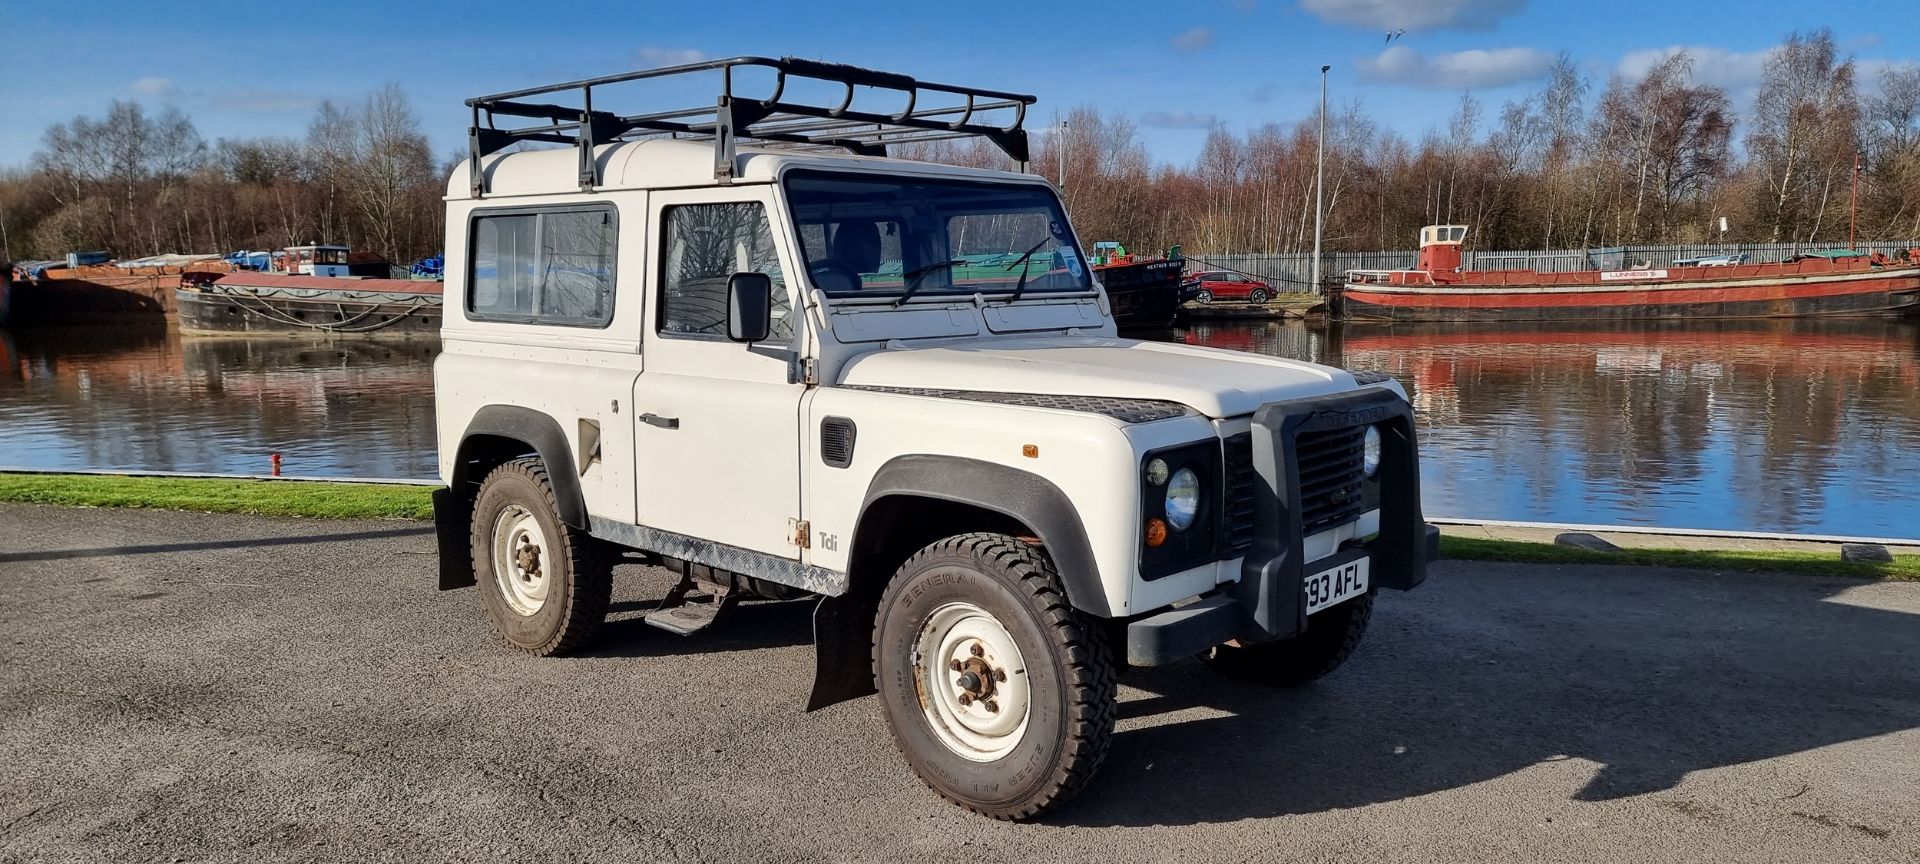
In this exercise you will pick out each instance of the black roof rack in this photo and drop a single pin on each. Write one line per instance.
(778, 118)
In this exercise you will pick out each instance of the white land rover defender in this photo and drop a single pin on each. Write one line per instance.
(807, 370)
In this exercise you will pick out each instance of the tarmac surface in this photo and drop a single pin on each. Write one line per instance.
(188, 687)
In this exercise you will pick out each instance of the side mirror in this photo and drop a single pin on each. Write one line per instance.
(749, 307)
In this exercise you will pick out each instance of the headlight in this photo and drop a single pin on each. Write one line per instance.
(1183, 499)
(1370, 451)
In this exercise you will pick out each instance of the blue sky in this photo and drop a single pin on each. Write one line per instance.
(241, 70)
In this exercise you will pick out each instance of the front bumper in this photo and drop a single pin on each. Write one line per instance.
(1269, 602)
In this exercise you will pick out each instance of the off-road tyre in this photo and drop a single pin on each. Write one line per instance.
(1071, 697)
(1258, 296)
(580, 581)
(1331, 636)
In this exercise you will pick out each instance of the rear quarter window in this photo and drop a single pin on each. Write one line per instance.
(543, 266)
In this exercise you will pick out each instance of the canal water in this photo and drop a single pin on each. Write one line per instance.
(1807, 426)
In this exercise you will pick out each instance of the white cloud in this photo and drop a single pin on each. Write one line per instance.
(1461, 70)
(1387, 15)
(1177, 120)
(262, 101)
(1734, 70)
(654, 55)
(239, 100)
(1193, 40)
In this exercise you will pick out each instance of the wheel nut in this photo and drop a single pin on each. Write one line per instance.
(955, 666)
(993, 707)
(999, 674)
(966, 699)
(977, 650)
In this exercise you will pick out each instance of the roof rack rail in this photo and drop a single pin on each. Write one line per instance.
(732, 117)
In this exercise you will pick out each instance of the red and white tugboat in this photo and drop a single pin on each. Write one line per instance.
(1839, 283)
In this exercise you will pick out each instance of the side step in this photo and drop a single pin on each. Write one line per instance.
(677, 615)
(685, 620)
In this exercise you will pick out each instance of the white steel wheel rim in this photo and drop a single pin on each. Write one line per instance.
(973, 682)
(522, 563)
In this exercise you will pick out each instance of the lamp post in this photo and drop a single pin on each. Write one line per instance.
(1060, 145)
(1319, 181)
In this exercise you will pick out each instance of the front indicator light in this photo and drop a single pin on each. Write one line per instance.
(1156, 533)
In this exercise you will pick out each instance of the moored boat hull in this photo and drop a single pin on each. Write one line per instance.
(361, 309)
(1859, 293)
(1145, 295)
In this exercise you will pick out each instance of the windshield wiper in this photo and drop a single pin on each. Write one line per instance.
(919, 273)
(1020, 287)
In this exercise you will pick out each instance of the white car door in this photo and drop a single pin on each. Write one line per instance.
(716, 423)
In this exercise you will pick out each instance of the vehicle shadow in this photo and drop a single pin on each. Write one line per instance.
(750, 626)
(1490, 669)
(197, 545)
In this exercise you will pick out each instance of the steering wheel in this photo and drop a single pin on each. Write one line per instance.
(830, 265)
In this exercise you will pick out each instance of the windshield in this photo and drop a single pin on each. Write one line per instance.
(891, 236)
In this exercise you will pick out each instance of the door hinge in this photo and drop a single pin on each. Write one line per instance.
(802, 533)
(809, 371)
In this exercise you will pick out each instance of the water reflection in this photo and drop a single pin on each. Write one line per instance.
(1803, 425)
(146, 399)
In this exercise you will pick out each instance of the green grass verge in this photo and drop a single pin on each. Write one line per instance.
(1903, 568)
(211, 495)
(386, 501)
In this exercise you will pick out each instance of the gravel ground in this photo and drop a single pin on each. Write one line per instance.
(184, 687)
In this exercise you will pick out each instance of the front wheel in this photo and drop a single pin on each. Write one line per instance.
(1258, 295)
(999, 694)
(1331, 636)
(545, 584)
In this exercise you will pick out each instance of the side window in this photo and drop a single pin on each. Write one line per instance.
(705, 244)
(544, 267)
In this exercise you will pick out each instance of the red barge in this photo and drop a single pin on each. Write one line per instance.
(1820, 284)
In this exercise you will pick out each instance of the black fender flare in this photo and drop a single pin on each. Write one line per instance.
(543, 434)
(842, 626)
(1021, 495)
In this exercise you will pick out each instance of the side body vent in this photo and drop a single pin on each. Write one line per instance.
(836, 441)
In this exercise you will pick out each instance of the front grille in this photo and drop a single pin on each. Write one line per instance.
(1331, 478)
(1243, 482)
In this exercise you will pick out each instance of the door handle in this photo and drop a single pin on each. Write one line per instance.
(652, 419)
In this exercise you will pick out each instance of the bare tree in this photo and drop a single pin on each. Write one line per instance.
(1804, 122)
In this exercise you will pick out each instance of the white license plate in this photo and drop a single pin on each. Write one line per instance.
(1328, 587)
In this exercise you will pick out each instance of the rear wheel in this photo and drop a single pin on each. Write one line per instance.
(999, 694)
(1258, 295)
(545, 584)
(1204, 296)
(1331, 636)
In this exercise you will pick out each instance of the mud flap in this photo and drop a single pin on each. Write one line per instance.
(842, 650)
(452, 522)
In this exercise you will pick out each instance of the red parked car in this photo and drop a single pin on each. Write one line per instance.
(1211, 285)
